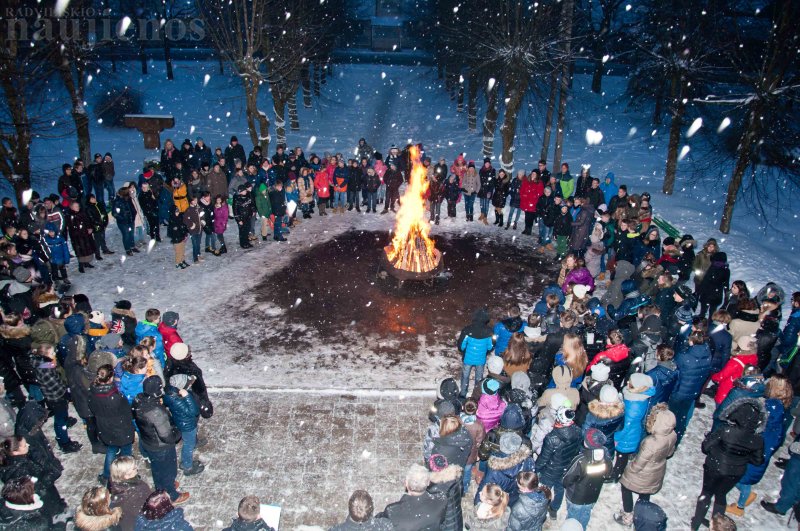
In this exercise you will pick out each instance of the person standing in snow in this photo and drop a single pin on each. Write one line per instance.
(487, 176)
(393, 180)
(475, 343)
(470, 184)
(178, 233)
(583, 480)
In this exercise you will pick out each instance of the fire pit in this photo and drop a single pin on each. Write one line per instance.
(412, 254)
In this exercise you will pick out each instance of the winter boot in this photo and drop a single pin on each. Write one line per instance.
(500, 224)
(98, 255)
(514, 226)
(484, 219)
(735, 510)
(223, 249)
(552, 514)
(197, 467)
(624, 519)
(437, 220)
(80, 268)
(601, 276)
(209, 249)
(70, 447)
(508, 224)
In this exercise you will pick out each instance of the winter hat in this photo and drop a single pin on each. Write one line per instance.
(640, 380)
(684, 314)
(234, 139)
(123, 305)
(565, 415)
(594, 439)
(571, 524)
(558, 400)
(448, 389)
(490, 386)
(687, 241)
(512, 418)
(669, 241)
(520, 380)
(22, 274)
(609, 395)
(444, 408)
(510, 443)
(97, 317)
(179, 381)
(179, 351)
(437, 462)
(108, 342)
(170, 319)
(747, 344)
(602, 209)
(98, 358)
(580, 290)
(495, 364)
(600, 372)
(487, 159)
(471, 164)
(152, 386)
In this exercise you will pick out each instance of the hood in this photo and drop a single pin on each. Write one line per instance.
(746, 413)
(651, 325)
(31, 416)
(512, 418)
(562, 377)
(170, 521)
(97, 523)
(647, 516)
(504, 462)
(660, 421)
(14, 332)
(448, 389)
(623, 272)
(610, 177)
(555, 290)
(447, 474)
(719, 258)
(638, 394)
(123, 313)
(754, 384)
(480, 317)
(74, 324)
(606, 411)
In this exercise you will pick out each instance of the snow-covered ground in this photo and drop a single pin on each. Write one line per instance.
(387, 105)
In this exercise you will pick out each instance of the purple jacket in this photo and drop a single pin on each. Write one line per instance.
(490, 409)
(579, 275)
(220, 218)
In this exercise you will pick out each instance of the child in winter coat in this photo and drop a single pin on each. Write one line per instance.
(562, 230)
(636, 397)
(99, 217)
(512, 458)
(530, 511)
(54, 389)
(490, 405)
(475, 342)
(185, 414)
(607, 414)
(149, 328)
(585, 476)
(505, 328)
(451, 194)
(664, 374)
(590, 389)
(59, 252)
(734, 368)
(220, 224)
(562, 378)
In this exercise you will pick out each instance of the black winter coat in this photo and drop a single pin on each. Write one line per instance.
(149, 203)
(98, 215)
(417, 513)
(176, 228)
(732, 447)
(243, 207)
(184, 409)
(547, 210)
(190, 368)
(488, 177)
(558, 450)
(113, 414)
(79, 226)
(123, 210)
(24, 465)
(529, 513)
(393, 179)
(33, 520)
(28, 424)
(562, 225)
(500, 193)
(355, 179)
(156, 430)
(513, 192)
(80, 381)
(715, 282)
(130, 496)
(584, 479)
(277, 199)
(447, 483)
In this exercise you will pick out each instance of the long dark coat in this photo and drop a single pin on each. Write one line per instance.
(79, 226)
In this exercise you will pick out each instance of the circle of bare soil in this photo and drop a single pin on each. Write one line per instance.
(332, 289)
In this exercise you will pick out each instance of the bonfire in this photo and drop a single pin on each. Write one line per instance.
(412, 250)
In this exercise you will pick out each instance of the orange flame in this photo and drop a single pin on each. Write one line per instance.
(412, 249)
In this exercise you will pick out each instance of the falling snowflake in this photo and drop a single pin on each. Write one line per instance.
(696, 125)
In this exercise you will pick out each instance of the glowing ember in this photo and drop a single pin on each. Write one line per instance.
(411, 248)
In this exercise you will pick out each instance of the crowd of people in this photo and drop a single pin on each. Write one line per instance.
(593, 384)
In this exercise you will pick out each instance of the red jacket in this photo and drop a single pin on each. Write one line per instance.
(614, 353)
(529, 194)
(170, 336)
(731, 372)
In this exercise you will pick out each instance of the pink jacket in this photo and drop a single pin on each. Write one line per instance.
(490, 409)
(380, 168)
(220, 218)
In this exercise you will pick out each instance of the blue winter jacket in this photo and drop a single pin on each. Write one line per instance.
(541, 305)
(475, 350)
(610, 189)
(636, 407)
(721, 342)
(503, 469)
(184, 409)
(607, 418)
(130, 385)
(788, 337)
(503, 332)
(665, 375)
(59, 250)
(773, 436)
(146, 328)
(694, 364)
(123, 211)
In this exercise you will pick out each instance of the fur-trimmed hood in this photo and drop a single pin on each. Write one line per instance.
(510, 461)
(660, 421)
(746, 413)
(14, 332)
(97, 523)
(606, 411)
(123, 313)
(447, 474)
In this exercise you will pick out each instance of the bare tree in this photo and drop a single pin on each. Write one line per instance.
(602, 32)
(568, 8)
(238, 31)
(551, 108)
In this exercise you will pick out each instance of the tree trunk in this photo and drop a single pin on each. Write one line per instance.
(548, 120)
(260, 136)
(567, 9)
(490, 121)
(280, 118)
(674, 139)
(79, 115)
(516, 87)
(306, 83)
(452, 84)
(221, 64)
(460, 100)
(294, 120)
(143, 59)
(597, 77)
(472, 101)
(317, 76)
(743, 155)
(659, 105)
(16, 160)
